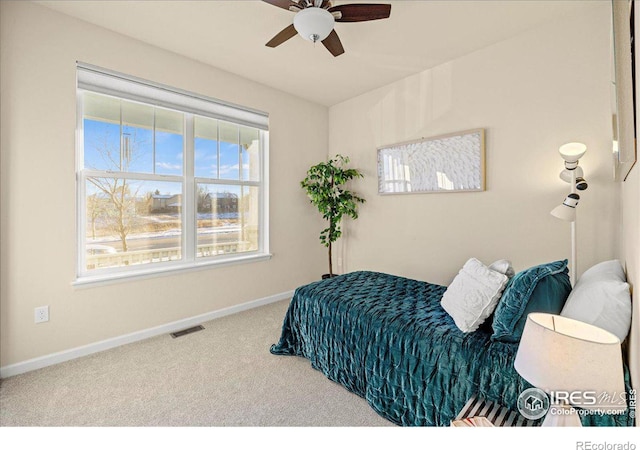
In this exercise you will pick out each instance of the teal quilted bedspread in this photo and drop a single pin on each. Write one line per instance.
(388, 340)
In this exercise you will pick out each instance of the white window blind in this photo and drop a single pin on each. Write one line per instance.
(97, 79)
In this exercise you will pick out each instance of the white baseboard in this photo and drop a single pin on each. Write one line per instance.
(77, 352)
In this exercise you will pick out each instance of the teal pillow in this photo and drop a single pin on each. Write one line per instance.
(542, 288)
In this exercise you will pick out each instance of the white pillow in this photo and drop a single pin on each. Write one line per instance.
(503, 266)
(473, 295)
(601, 297)
(610, 269)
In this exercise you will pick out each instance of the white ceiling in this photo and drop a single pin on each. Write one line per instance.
(231, 35)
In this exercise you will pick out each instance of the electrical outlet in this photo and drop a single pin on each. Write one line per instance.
(42, 314)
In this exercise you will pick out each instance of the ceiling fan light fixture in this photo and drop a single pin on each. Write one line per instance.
(314, 24)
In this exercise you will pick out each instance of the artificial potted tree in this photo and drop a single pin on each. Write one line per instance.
(324, 186)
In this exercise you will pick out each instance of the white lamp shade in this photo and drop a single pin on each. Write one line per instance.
(572, 151)
(558, 354)
(564, 212)
(313, 24)
(567, 210)
(565, 175)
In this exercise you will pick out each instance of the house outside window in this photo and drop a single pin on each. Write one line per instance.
(167, 180)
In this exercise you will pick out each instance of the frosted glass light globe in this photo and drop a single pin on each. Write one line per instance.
(313, 24)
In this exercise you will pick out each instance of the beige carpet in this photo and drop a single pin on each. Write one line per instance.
(221, 376)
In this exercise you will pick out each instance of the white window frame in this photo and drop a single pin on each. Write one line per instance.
(102, 81)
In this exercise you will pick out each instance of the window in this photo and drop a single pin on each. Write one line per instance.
(167, 180)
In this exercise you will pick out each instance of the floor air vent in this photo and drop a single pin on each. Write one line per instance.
(180, 333)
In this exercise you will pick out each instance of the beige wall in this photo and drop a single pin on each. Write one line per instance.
(39, 49)
(531, 93)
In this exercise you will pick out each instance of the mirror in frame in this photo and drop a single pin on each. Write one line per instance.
(624, 87)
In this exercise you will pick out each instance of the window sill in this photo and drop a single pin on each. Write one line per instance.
(112, 278)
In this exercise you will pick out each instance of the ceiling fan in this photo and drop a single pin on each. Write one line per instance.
(314, 20)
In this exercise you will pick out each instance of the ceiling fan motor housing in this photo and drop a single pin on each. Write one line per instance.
(314, 24)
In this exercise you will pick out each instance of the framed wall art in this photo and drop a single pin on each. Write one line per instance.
(449, 163)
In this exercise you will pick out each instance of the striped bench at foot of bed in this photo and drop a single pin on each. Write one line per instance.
(498, 415)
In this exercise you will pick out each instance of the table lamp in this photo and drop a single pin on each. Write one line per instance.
(571, 359)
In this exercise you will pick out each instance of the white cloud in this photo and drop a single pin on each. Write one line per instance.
(169, 166)
(227, 168)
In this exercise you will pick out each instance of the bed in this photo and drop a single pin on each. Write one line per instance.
(387, 339)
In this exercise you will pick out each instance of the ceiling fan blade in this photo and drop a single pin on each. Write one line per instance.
(333, 44)
(283, 36)
(361, 12)
(284, 4)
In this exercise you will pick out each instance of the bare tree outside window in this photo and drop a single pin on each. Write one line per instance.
(119, 210)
